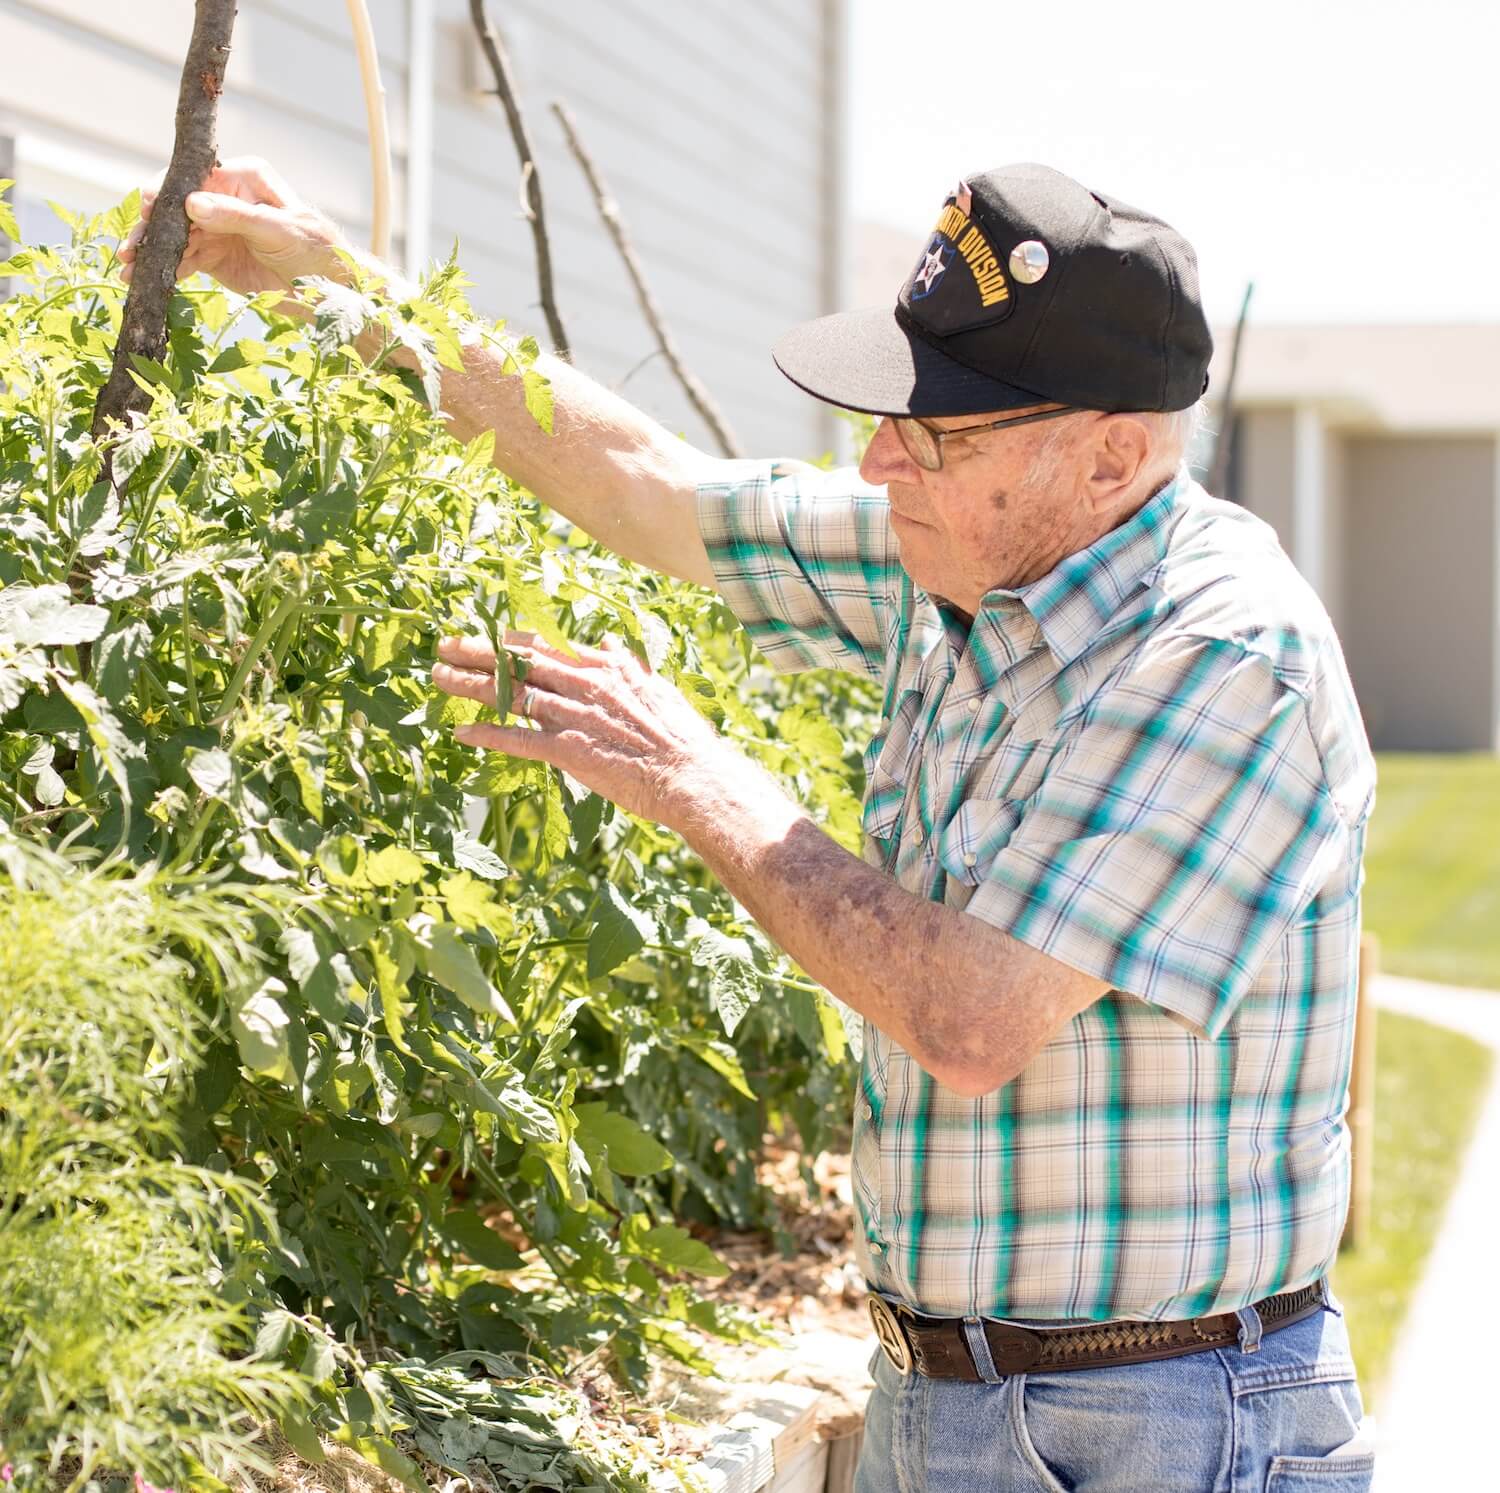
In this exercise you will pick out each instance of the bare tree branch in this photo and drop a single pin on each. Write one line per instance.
(1218, 467)
(143, 328)
(531, 186)
(609, 210)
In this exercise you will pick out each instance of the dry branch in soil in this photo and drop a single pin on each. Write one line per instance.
(531, 185)
(609, 211)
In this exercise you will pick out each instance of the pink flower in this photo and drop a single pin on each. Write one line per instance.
(6, 1475)
(142, 1486)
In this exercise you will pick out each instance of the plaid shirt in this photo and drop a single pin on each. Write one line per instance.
(1149, 765)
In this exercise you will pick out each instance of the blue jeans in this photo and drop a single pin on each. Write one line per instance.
(1223, 1421)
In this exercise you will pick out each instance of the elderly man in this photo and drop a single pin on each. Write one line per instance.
(1104, 933)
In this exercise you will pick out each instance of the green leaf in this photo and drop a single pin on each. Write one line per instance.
(722, 1059)
(320, 1362)
(104, 731)
(48, 617)
(380, 1452)
(629, 1150)
(443, 956)
(733, 981)
(467, 1231)
(470, 855)
(537, 390)
(275, 1333)
(393, 866)
(471, 904)
(212, 772)
(118, 658)
(619, 932)
(302, 1438)
(260, 1026)
(670, 1247)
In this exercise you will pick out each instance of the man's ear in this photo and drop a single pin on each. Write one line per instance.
(1122, 448)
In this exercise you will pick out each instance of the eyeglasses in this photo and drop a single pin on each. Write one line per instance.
(924, 442)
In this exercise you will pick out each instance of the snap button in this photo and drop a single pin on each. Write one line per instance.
(975, 702)
(918, 835)
(971, 860)
(876, 1247)
(868, 1110)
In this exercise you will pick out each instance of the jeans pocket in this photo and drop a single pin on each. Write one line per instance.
(1338, 1473)
(1046, 1477)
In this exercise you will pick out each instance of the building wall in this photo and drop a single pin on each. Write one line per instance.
(1420, 543)
(718, 129)
(1268, 467)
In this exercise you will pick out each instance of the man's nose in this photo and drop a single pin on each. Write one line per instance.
(886, 458)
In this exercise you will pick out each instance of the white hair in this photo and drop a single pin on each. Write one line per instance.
(1172, 435)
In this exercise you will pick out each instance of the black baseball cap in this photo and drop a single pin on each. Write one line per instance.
(1031, 289)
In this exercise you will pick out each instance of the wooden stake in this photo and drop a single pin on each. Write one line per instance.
(609, 210)
(143, 328)
(375, 120)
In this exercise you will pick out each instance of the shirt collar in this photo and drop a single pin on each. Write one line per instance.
(1072, 603)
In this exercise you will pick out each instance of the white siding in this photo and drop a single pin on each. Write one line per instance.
(716, 125)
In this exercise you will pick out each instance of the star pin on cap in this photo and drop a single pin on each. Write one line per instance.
(1030, 289)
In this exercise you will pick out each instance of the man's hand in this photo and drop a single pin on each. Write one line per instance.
(603, 717)
(250, 231)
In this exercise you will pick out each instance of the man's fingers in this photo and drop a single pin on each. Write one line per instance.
(470, 684)
(255, 179)
(467, 653)
(265, 228)
(514, 741)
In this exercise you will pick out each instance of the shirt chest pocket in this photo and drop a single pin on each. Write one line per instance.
(975, 835)
(1014, 770)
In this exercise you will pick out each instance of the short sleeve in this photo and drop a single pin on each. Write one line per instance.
(1179, 833)
(805, 559)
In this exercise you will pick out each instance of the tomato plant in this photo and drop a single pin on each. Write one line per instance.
(502, 1038)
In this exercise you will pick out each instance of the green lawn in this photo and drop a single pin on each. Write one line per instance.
(1428, 1087)
(1432, 898)
(1432, 868)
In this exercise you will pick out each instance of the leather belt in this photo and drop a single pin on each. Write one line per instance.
(936, 1347)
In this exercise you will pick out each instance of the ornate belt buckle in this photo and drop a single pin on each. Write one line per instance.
(888, 1331)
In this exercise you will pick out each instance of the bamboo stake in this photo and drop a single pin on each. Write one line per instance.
(531, 186)
(609, 210)
(375, 116)
(143, 326)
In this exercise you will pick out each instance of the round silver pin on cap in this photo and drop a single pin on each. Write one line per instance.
(1029, 261)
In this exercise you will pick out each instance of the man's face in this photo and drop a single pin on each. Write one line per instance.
(985, 519)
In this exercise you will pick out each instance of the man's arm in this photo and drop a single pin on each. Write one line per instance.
(613, 471)
(970, 1004)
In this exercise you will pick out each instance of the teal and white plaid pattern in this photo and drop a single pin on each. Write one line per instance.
(1148, 764)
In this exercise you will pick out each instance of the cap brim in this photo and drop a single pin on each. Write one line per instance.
(866, 360)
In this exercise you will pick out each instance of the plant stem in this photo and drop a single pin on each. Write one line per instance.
(268, 628)
(190, 673)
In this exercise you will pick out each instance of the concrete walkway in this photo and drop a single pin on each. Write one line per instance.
(1438, 1413)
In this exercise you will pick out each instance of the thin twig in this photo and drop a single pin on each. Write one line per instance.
(531, 186)
(609, 210)
(143, 328)
(375, 121)
(1218, 467)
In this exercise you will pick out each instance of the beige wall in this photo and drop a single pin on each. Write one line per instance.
(1420, 547)
(1267, 461)
(718, 128)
